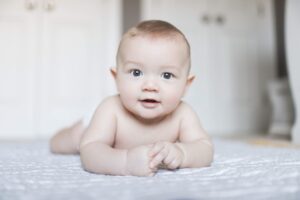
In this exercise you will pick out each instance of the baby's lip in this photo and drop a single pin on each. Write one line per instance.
(149, 103)
(149, 100)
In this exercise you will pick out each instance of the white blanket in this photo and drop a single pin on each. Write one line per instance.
(239, 171)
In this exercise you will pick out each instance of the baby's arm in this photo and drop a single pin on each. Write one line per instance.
(96, 152)
(193, 150)
(96, 148)
(100, 158)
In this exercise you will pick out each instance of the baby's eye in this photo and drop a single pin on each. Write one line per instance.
(136, 72)
(167, 75)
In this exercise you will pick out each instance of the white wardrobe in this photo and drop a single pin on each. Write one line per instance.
(54, 61)
(233, 58)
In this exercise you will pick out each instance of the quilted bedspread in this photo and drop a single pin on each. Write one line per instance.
(239, 171)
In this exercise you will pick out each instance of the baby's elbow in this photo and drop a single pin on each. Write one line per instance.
(87, 160)
(88, 164)
(208, 157)
(86, 167)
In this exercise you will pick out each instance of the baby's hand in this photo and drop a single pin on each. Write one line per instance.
(138, 161)
(166, 153)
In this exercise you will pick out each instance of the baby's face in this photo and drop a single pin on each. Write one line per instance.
(152, 75)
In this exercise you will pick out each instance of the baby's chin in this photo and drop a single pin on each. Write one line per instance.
(150, 116)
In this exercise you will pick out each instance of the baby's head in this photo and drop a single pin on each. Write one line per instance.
(153, 65)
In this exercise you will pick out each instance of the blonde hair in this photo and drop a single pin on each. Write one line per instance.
(155, 29)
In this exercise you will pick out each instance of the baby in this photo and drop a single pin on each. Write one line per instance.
(146, 125)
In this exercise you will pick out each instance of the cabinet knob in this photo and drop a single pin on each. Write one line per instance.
(205, 19)
(49, 5)
(220, 19)
(30, 4)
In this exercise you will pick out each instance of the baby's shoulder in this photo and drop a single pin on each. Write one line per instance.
(184, 109)
(111, 102)
(113, 99)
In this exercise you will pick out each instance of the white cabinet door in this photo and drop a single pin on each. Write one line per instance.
(54, 61)
(240, 78)
(229, 92)
(17, 69)
(75, 61)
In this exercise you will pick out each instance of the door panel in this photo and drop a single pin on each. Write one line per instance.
(54, 62)
(75, 63)
(17, 70)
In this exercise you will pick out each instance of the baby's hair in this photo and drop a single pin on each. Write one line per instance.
(155, 29)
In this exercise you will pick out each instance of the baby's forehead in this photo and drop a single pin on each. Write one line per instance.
(176, 40)
(181, 59)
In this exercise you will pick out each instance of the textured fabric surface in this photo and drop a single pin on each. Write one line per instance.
(239, 171)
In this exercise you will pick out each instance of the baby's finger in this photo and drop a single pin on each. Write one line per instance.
(157, 147)
(169, 158)
(158, 159)
(174, 164)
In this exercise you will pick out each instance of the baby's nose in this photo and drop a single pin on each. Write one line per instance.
(150, 85)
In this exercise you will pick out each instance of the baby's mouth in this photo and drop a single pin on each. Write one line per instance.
(149, 103)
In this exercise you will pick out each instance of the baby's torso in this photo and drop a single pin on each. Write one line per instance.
(130, 132)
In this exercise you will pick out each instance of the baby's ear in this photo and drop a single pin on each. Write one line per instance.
(190, 79)
(113, 72)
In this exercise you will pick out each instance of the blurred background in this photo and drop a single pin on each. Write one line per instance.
(55, 57)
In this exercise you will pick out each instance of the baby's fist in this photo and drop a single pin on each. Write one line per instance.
(137, 162)
(166, 153)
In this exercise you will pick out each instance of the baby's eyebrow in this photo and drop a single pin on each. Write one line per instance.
(171, 67)
(126, 63)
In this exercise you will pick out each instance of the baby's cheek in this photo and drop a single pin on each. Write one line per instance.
(173, 100)
(127, 93)
(128, 98)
